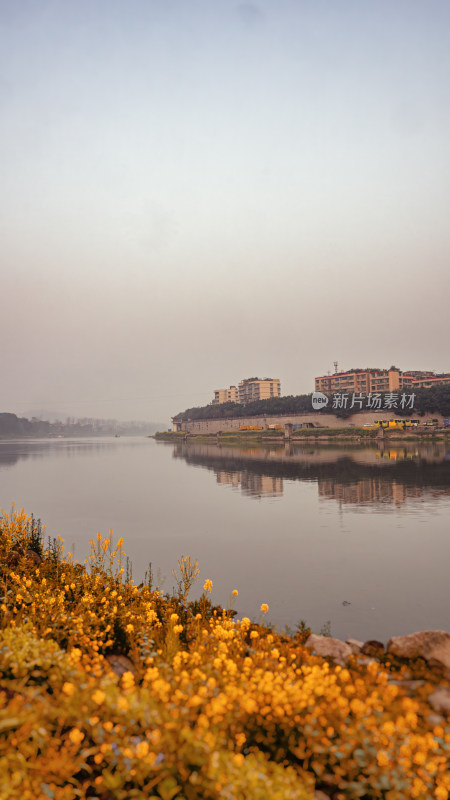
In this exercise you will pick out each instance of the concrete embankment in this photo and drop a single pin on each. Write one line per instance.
(316, 419)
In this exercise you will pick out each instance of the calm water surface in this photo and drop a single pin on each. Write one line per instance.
(359, 537)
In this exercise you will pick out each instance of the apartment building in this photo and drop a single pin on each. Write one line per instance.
(377, 380)
(425, 380)
(248, 390)
(364, 381)
(258, 389)
(225, 395)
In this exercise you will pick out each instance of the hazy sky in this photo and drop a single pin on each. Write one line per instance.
(198, 191)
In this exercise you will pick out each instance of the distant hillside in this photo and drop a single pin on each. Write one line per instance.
(435, 400)
(12, 425)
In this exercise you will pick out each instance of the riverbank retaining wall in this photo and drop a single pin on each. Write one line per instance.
(318, 420)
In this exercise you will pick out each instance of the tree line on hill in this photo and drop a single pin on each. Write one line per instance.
(12, 425)
(432, 401)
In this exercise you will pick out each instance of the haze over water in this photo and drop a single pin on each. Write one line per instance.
(354, 536)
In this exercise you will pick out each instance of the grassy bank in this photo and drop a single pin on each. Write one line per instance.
(268, 435)
(208, 706)
(320, 434)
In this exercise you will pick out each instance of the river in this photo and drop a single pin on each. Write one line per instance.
(354, 540)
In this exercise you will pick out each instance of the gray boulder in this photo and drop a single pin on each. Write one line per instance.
(355, 645)
(120, 664)
(432, 646)
(327, 647)
(373, 648)
(440, 699)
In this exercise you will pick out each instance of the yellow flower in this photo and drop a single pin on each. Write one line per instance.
(127, 680)
(75, 654)
(245, 622)
(235, 592)
(207, 586)
(174, 617)
(240, 739)
(388, 728)
(264, 608)
(177, 628)
(123, 703)
(383, 758)
(142, 749)
(254, 634)
(68, 688)
(76, 736)
(98, 697)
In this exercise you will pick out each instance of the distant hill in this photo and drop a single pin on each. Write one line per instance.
(12, 425)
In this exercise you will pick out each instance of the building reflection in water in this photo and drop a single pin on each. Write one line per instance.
(367, 491)
(358, 475)
(251, 484)
(375, 490)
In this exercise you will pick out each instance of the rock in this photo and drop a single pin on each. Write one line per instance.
(373, 648)
(120, 664)
(327, 647)
(435, 719)
(355, 645)
(31, 555)
(433, 646)
(440, 699)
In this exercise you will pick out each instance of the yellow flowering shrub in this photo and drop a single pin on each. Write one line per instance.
(210, 706)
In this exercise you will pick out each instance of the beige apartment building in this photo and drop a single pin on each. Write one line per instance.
(225, 395)
(258, 389)
(369, 381)
(248, 390)
(424, 379)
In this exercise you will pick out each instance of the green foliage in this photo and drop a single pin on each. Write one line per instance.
(186, 575)
(27, 660)
(326, 628)
(434, 400)
(303, 631)
(35, 536)
(271, 406)
(121, 641)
